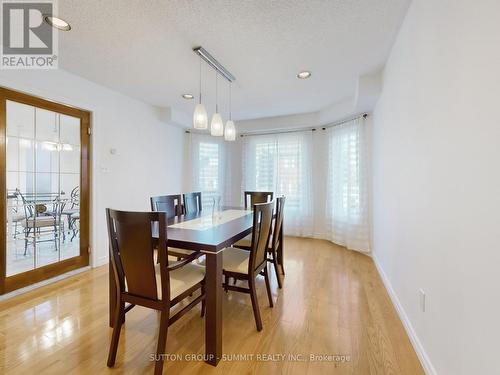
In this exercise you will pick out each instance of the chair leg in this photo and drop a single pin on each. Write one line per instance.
(119, 315)
(61, 228)
(268, 287)
(26, 235)
(203, 302)
(276, 270)
(55, 237)
(74, 229)
(255, 303)
(280, 260)
(162, 341)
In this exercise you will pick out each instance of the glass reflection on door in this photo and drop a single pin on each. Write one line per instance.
(43, 187)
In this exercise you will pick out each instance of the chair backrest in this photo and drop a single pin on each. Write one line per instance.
(75, 197)
(192, 202)
(254, 197)
(171, 204)
(57, 208)
(278, 221)
(262, 220)
(27, 207)
(131, 252)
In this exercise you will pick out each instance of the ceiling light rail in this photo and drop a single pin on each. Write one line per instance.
(205, 55)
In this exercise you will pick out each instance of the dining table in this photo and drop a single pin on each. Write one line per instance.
(209, 233)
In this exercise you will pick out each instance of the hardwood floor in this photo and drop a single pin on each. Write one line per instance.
(332, 303)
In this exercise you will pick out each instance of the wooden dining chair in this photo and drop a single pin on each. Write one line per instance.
(139, 281)
(247, 265)
(172, 205)
(275, 249)
(251, 198)
(192, 202)
(254, 197)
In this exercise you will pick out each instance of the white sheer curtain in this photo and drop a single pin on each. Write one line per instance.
(347, 206)
(325, 179)
(209, 172)
(282, 163)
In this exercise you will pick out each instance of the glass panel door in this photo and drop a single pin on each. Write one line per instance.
(46, 228)
(43, 187)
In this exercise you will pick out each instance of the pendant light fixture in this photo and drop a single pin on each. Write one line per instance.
(200, 117)
(217, 126)
(230, 130)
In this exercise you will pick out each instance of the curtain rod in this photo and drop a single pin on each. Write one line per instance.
(299, 130)
(324, 127)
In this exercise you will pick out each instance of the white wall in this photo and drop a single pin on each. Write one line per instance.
(149, 153)
(436, 147)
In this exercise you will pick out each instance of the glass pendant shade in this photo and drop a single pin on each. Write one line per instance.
(200, 117)
(217, 126)
(230, 131)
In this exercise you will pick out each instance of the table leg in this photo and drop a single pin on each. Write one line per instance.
(213, 318)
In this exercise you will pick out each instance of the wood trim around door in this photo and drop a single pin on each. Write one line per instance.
(8, 284)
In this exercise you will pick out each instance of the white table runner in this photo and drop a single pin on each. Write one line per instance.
(208, 221)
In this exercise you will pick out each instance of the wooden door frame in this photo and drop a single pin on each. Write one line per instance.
(8, 284)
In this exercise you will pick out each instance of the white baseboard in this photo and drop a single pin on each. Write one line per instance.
(100, 261)
(415, 341)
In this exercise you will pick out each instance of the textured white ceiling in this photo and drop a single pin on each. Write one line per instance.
(144, 49)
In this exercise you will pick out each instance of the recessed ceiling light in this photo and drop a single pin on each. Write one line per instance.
(304, 74)
(57, 23)
(188, 96)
